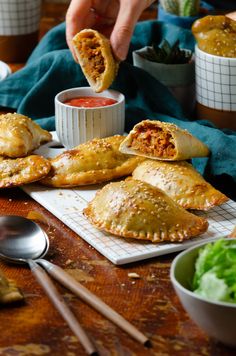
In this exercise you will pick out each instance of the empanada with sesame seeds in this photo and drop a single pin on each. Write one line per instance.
(18, 171)
(19, 135)
(96, 161)
(163, 141)
(136, 209)
(181, 182)
(94, 54)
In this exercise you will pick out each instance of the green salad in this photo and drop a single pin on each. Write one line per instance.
(215, 271)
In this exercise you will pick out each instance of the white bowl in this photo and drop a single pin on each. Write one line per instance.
(217, 319)
(4, 70)
(76, 125)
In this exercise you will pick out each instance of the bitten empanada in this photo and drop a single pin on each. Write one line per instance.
(94, 54)
(19, 171)
(136, 209)
(181, 182)
(19, 135)
(92, 162)
(163, 141)
(216, 35)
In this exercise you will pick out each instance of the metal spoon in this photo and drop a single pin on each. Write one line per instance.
(23, 241)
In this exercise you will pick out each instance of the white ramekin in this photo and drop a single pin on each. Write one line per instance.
(76, 125)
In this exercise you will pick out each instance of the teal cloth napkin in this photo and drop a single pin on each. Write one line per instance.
(51, 68)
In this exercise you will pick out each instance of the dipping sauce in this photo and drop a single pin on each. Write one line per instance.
(90, 101)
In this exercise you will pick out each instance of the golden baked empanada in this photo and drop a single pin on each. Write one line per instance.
(19, 135)
(216, 35)
(181, 182)
(164, 141)
(19, 171)
(94, 54)
(136, 209)
(92, 162)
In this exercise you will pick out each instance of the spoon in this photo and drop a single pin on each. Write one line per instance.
(23, 241)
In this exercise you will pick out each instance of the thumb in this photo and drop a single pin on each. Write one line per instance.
(128, 15)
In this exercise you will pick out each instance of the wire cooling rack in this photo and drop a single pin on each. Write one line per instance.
(68, 204)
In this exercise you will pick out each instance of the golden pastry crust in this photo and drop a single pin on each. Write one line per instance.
(216, 35)
(136, 209)
(18, 171)
(92, 162)
(19, 135)
(181, 182)
(163, 141)
(94, 54)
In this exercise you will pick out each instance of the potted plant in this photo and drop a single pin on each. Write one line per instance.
(173, 67)
(182, 12)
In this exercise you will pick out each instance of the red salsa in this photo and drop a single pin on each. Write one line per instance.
(90, 101)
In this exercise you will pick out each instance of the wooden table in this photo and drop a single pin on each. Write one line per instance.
(150, 303)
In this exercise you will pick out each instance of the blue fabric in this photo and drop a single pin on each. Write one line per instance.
(51, 69)
(182, 21)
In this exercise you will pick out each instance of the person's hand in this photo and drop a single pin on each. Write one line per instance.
(114, 18)
(232, 15)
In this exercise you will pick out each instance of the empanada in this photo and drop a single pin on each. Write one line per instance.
(19, 171)
(136, 209)
(181, 182)
(92, 162)
(164, 141)
(94, 54)
(216, 35)
(19, 135)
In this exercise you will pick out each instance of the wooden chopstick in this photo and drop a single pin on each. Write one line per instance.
(78, 289)
(61, 306)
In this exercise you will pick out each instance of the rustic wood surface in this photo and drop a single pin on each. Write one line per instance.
(34, 327)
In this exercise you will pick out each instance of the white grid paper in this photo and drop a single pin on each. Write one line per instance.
(68, 204)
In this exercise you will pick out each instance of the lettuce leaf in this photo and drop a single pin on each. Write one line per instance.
(211, 287)
(215, 271)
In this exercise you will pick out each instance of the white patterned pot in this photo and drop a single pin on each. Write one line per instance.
(19, 17)
(19, 28)
(76, 125)
(216, 88)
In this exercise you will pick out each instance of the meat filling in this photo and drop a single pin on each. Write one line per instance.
(153, 141)
(91, 53)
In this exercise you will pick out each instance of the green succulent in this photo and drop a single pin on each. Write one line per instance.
(165, 53)
(181, 7)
